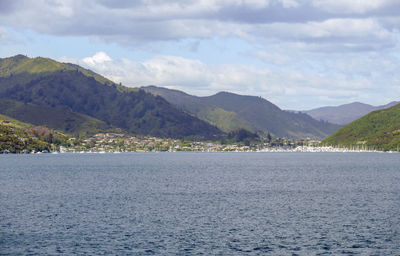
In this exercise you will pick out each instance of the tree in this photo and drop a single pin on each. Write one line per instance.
(269, 138)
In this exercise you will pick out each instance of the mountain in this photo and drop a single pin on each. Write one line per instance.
(268, 117)
(50, 84)
(254, 113)
(20, 64)
(346, 113)
(379, 129)
(227, 121)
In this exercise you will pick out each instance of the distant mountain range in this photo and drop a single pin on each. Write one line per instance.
(230, 111)
(379, 129)
(346, 113)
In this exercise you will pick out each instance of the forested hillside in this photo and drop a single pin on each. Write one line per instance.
(51, 84)
(379, 129)
(231, 111)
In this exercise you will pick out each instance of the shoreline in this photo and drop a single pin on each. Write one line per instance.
(300, 149)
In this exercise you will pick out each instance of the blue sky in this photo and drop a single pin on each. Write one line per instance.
(299, 54)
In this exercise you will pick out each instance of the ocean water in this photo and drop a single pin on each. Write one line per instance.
(200, 204)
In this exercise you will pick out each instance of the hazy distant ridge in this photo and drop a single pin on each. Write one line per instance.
(346, 113)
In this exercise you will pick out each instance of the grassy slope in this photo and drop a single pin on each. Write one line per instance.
(14, 122)
(225, 120)
(20, 64)
(379, 129)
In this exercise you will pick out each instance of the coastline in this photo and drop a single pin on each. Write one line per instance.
(299, 149)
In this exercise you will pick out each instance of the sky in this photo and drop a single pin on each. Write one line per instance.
(298, 54)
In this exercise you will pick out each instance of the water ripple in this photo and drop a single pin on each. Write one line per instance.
(200, 204)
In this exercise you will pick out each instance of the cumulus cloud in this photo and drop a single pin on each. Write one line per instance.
(282, 86)
(149, 21)
(356, 6)
(364, 34)
(98, 59)
(332, 50)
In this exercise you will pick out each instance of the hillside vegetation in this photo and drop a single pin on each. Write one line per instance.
(379, 129)
(73, 123)
(231, 111)
(227, 121)
(267, 117)
(20, 137)
(66, 87)
(21, 64)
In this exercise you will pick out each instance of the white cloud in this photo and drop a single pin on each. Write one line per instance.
(323, 49)
(4, 35)
(130, 23)
(98, 58)
(332, 28)
(347, 28)
(283, 86)
(352, 6)
(63, 7)
(332, 35)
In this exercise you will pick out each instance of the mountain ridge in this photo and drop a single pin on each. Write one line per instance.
(261, 114)
(48, 83)
(225, 120)
(346, 113)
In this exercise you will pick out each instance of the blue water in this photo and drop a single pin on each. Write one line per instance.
(200, 204)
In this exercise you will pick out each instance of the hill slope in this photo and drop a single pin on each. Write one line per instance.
(55, 118)
(227, 121)
(20, 137)
(250, 112)
(48, 83)
(346, 113)
(268, 117)
(379, 129)
(21, 64)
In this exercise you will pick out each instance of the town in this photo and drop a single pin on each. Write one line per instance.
(118, 142)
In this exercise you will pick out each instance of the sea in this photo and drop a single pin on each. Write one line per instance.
(200, 204)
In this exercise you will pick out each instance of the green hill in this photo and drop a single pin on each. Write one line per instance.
(267, 117)
(21, 64)
(379, 129)
(20, 137)
(231, 111)
(55, 118)
(227, 121)
(47, 83)
(14, 122)
(17, 141)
